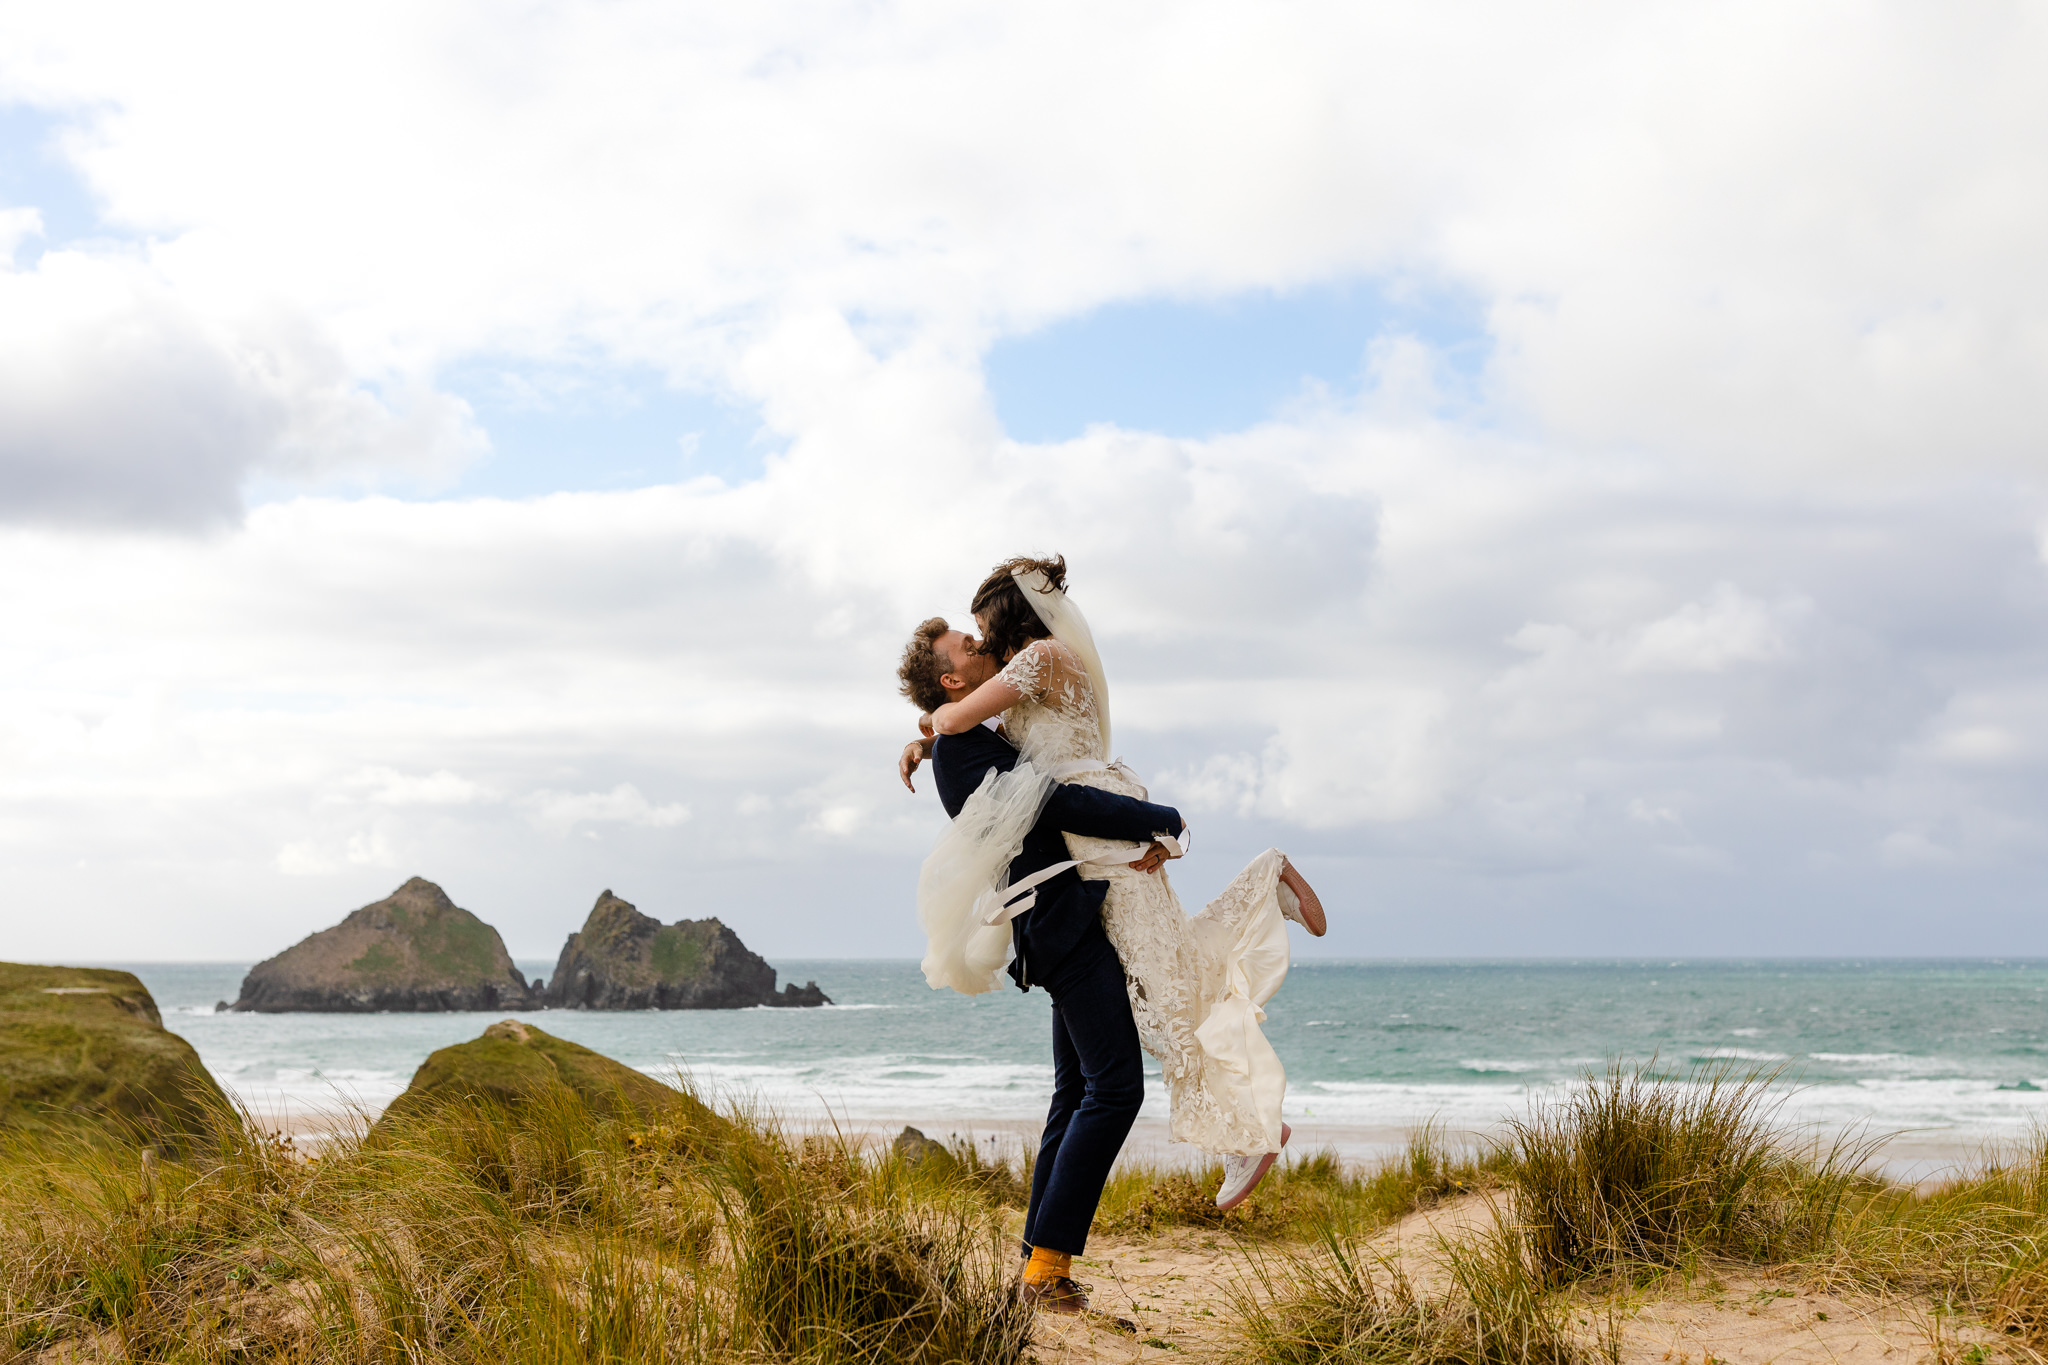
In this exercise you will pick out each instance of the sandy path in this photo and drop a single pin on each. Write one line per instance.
(1176, 1287)
(1173, 1285)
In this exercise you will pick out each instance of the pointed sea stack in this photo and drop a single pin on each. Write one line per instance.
(624, 960)
(415, 951)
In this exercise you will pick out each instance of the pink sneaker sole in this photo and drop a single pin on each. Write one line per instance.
(1265, 1165)
(1312, 917)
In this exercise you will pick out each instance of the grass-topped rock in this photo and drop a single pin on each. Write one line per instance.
(514, 1063)
(82, 1043)
(624, 960)
(414, 951)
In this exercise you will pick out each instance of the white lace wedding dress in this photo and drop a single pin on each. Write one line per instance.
(1198, 984)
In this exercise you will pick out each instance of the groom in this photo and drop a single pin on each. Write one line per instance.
(1098, 1079)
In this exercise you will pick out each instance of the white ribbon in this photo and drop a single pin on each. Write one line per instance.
(1001, 905)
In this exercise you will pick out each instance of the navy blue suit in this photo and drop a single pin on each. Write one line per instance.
(1098, 1075)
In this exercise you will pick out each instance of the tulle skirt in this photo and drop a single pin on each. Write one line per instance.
(970, 861)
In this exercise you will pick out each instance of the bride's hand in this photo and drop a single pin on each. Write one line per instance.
(924, 724)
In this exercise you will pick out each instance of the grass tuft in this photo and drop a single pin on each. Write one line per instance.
(1346, 1302)
(1301, 1194)
(469, 1231)
(1633, 1167)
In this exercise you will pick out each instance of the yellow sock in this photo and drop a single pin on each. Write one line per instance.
(1046, 1264)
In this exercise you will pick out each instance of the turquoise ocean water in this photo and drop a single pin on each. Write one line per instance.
(1950, 1049)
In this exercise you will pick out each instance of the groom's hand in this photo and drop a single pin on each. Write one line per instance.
(914, 752)
(1154, 859)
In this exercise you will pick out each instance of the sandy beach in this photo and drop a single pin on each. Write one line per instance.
(1913, 1157)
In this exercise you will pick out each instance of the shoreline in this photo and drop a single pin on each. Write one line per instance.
(1911, 1156)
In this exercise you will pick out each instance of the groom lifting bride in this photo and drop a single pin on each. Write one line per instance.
(1054, 861)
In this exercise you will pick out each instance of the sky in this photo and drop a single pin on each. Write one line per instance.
(1575, 476)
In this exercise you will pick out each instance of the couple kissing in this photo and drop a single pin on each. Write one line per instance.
(1052, 868)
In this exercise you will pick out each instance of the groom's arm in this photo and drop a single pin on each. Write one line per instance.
(1096, 814)
(960, 762)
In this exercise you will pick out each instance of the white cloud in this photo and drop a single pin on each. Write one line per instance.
(838, 820)
(388, 787)
(559, 812)
(703, 677)
(1832, 271)
(1740, 509)
(314, 858)
(304, 859)
(1709, 637)
(1911, 848)
(123, 401)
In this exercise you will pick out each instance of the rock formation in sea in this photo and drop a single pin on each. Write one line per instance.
(84, 1043)
(624, 960)
(414, 951)
(512, 1063)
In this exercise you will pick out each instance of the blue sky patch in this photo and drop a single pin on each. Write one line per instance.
(559, 430)
(34, 174)
(1195, 369)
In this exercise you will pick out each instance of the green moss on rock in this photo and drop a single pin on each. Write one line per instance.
(413, 951)
(677, 956)
(513, 1063)
(87, 1044)
(380, 960)
(624, 960)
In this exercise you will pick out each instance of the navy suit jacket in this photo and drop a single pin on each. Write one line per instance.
(1069, 910)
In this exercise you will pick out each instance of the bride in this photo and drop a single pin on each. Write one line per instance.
(1197, 984)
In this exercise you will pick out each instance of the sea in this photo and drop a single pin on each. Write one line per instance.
(1952, 1054)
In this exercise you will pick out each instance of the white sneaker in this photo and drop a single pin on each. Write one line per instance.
(1242, 1174)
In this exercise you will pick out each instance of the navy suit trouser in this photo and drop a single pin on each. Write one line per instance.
(1098, 1086)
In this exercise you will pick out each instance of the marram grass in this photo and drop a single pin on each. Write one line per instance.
(472, 1232)
(1341, 1300)
(1636, 1168)
(1301, 1195)
(1632, 1176)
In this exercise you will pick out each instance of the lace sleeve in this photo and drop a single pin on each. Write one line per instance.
(1042, 670)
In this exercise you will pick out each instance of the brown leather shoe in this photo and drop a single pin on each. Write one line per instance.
(1057, 1295)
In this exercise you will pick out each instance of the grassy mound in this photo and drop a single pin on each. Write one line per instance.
(81, 1044)
(513, 1062)
(473, 1230)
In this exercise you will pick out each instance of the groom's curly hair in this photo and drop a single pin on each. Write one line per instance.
(922, 667)
(1009, 621)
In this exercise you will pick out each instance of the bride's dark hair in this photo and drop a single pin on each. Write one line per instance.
(1008, 619)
